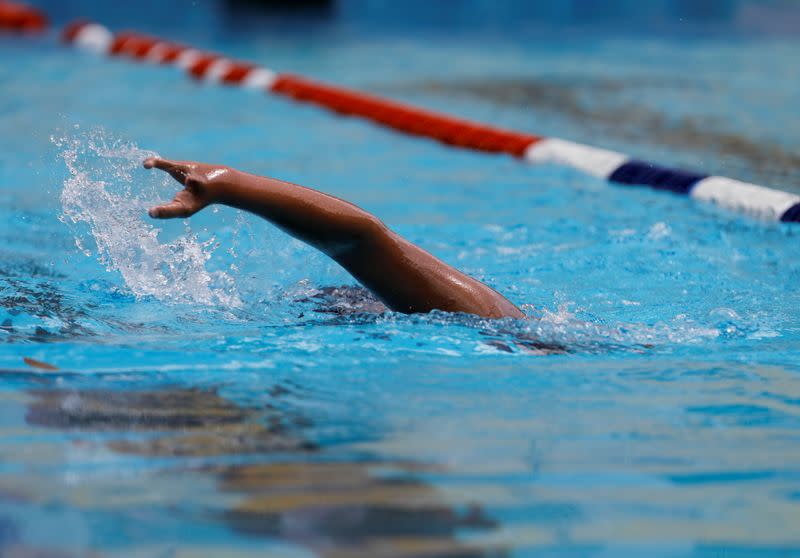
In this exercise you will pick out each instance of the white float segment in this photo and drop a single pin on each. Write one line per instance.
(758, 201)
(259, 78)
(591, 160)
(94, 38)
(188, 57)
(217, 69)
(157, 52)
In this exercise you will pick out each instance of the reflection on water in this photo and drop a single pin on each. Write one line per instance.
(288, 489)
(203, 423)
(125, 410)
(139, 467)
(344, 509)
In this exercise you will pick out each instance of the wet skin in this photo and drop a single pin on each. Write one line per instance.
(404, 276)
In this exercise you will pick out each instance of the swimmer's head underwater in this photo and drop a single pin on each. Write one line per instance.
(402, 275)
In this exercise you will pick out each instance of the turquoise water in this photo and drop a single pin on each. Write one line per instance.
(215, 398)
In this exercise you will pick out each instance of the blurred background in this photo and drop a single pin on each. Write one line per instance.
(631, 16)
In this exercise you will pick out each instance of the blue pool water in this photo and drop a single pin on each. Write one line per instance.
(213, 398)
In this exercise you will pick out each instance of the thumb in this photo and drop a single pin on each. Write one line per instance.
(170, 210)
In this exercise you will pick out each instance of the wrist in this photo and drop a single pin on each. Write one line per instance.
(222, 185)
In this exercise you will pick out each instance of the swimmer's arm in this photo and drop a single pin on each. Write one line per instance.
(326, 222)
(403, 275)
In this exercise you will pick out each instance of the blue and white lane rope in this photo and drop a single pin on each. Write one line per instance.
(757, 201)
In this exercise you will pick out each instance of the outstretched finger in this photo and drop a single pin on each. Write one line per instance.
(164, 164)
(177, 169)
(169, 210)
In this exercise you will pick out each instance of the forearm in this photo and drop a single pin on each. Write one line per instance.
(326, 222)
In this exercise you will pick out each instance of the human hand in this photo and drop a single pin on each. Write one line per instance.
(202, 185)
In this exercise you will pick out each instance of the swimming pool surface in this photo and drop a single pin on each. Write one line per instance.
(215, 398)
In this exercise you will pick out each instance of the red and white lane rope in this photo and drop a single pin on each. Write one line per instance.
(758, 201)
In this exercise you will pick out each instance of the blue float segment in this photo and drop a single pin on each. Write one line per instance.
(661, 178)
(792, 215)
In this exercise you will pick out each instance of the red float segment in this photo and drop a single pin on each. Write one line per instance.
(21, 17)
(405, 118)
(199, 68)
(121, 41)
(231, 72)
(237, 73)
(133, 45)
(142, 47)
(171, 53)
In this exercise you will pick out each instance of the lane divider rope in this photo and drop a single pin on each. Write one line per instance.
(757, 201)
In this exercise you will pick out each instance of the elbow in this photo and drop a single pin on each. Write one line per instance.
(359, 236)
(369, 229)
(371, 235)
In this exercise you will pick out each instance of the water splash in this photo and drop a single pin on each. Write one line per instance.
(564, 326)
(103, 208)
(563, 329)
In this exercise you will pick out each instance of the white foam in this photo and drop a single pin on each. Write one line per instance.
(104, 208)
